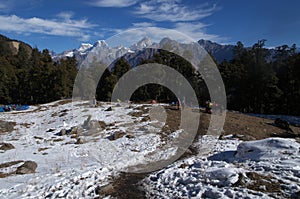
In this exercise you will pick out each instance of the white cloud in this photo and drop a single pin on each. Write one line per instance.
(112, 3)
(196, 31)
(173, 11)
(59, 27)
(143, 24)
(67, 15)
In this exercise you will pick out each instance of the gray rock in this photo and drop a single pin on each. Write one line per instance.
(80, 141)
(63, 132)
(27, 168)
(6, 146)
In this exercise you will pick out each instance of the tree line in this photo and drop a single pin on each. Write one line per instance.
(257, 80)
(150, 92)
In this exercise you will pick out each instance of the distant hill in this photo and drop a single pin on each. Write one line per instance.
(12, 46)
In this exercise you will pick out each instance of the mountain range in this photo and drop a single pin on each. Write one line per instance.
(100, 50)
(87, 53)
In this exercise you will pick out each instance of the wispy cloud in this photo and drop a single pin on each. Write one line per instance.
(143, 24)
(66, 15)
(63, 26)
(173, 11)
(112, 3)
(196, 31)
(177, 16)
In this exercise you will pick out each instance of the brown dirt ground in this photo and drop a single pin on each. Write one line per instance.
(240, 125)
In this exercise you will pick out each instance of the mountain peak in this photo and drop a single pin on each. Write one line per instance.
(101, 43)
(143, 43)
(84, 47)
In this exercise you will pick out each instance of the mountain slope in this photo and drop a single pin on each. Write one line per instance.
(218, 51)
(10, 46)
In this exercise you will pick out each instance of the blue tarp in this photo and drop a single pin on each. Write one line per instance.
(22, 108)
(13, 107)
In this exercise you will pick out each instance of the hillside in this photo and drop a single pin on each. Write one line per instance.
(11, 46)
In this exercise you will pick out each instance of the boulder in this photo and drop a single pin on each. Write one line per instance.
(6, 146)
(27, 168)
(80, 141)
(116, 135)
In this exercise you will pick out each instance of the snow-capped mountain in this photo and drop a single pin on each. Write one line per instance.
(83, 49)
(144, 43)
(87, 53)
(101, 51)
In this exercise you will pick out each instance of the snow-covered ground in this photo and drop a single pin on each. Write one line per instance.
(66, 168)
(268, 168)
(79, 148)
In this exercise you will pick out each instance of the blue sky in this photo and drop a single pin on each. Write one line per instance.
(63, 25)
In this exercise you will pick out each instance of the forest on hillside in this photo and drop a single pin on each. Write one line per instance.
(253, 82)
(30, 76)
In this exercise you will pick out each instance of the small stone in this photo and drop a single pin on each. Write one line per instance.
(80, 141)
(108, 109)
